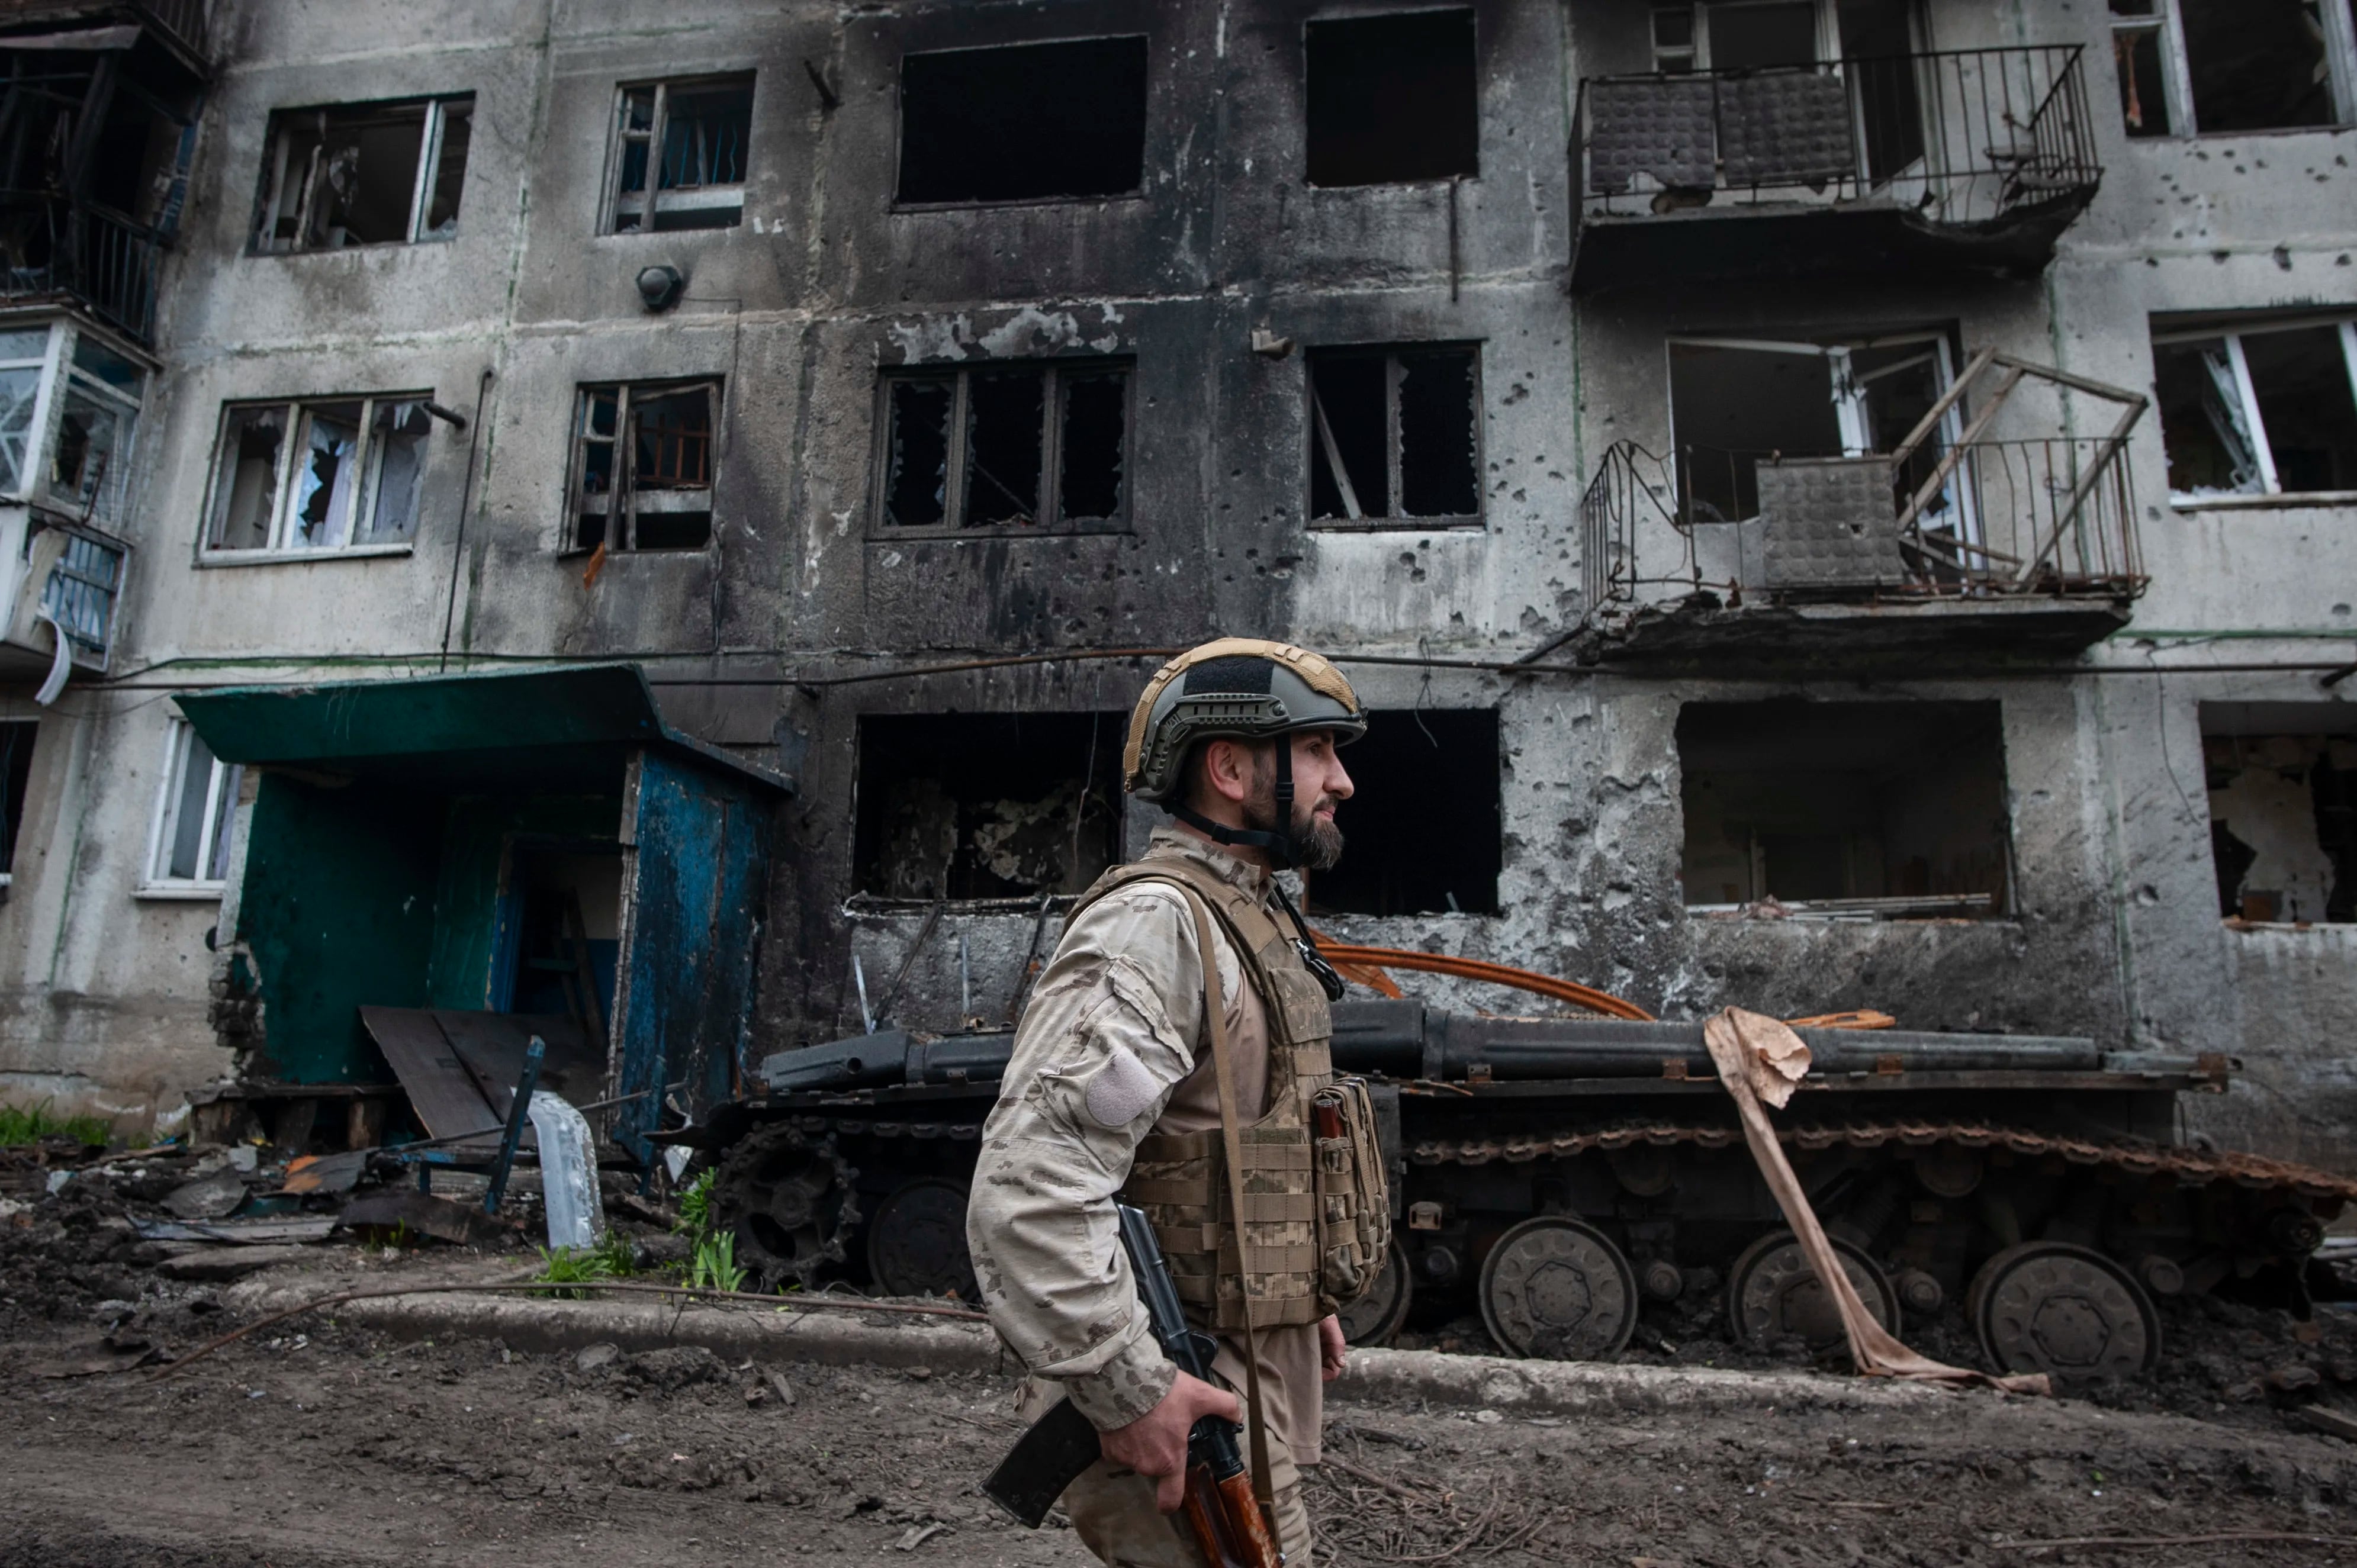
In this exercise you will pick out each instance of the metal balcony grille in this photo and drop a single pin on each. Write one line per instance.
(81, 594)
(1959, 136)
(51, 248)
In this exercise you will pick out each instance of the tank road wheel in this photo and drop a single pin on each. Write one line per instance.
(2046, 1306)
(788, 1200)
(917, 1246)
(1773, 1291)
(1375, 1316)
(1556, 1288)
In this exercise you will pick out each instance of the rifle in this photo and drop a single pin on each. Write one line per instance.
(1225, 1518)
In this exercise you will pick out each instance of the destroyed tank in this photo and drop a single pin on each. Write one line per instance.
(1559, 1174)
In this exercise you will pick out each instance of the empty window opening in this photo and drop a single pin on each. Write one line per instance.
(2187, 66)
(1735, 404)
(373, 174)
(1888, 809)
(1025, 123)
(326, 475)
(680, 155)
(1009, 446)
(16, 738)
(1423, 832)
(986, 805)
(2268, 410)
(196, 806)
(1394, 434)
(1762, 37)
(2282, 818)
(642, 465)
(1392, 99)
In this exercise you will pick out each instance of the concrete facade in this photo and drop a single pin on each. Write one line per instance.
(808, 613)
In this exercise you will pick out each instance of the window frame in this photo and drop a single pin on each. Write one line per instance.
(620, 136)
(59, 376)
(1052, 449)
(219, 825)
(1322, 442)
(625, 462)
(2177, 70)
(209, 552)
(264, 241)
(2261, 446)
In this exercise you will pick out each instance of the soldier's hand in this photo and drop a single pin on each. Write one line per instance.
(1332, 1348)
(1155, 1444)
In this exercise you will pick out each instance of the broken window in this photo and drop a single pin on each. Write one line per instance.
(24, 357)
(2268, 410)
(1024, 123)
(16, 737)
(1006, 445)
(2233, 65)
(90, 455)
(1423, 829)
(80, 592)
(1392, 99)
(986, 805)
(680, 155)
(1736, 403)
(196, 805)
(1864, 809)
(2283, 811)
(1394, 434)
(316, 476)
(643, 466)
(371, 173)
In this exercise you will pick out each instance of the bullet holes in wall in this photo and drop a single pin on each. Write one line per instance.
(1392, 99)
(1889, 809)
(1025, 122)
(1422, 834)
(1394, 434)
(969, 805)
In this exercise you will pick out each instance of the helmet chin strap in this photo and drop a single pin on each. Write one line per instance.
(1282, 849)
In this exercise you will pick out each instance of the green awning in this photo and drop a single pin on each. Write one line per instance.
(568, 729)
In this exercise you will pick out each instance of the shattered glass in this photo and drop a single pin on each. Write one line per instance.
(397, 453)
(247, 476)
(325, 481)
(916, 485)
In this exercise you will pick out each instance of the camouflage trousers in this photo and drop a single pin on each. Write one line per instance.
(1113, 1513)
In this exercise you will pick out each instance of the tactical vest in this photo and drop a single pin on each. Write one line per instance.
(1306, 1244)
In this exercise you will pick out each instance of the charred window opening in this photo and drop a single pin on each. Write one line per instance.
(374, 174)
(2283, 810)
(643, 466)
(1392, 99)
(2268, 410)
(1013, 446)
(1024, 123)
(680, 155)
(1424, 827)
(16, 738)
(1394, 434)
(1864, 809)
(971, 806)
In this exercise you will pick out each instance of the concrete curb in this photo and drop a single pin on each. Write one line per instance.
(844, 1338)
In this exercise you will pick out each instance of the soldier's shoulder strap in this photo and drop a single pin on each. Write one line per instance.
(1249, 927)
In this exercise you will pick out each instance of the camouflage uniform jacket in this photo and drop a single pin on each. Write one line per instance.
(1107, 1053)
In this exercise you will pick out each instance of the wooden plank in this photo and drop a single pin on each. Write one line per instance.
(441, 1091)
(491, 1045)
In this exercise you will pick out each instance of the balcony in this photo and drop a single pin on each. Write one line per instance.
(51, 250)
(1981, 537)
(1969, 161)
(179, 24)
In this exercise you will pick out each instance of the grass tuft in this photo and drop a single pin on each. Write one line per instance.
(611, 1259)
(29, 1124)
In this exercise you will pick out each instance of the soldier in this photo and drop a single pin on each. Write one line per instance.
(1115, 1088)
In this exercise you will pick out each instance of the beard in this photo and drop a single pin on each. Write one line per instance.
(1317, 844)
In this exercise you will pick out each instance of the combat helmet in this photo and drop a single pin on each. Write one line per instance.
(1243, 688)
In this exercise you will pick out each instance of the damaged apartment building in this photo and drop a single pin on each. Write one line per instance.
(658, 514)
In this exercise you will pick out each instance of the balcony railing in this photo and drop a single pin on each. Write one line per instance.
(183, 20)
(51, 248)
(1956, 137)
(1978, 517)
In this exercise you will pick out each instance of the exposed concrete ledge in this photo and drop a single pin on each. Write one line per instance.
(841, 1338)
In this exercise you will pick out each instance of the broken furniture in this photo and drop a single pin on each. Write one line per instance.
(414, 845)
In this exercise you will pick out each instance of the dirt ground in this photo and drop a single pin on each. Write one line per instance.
(319, 1444)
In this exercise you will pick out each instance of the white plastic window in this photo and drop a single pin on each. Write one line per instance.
(196, 806)
(2270, 410)
(369, 174)
(319, 476)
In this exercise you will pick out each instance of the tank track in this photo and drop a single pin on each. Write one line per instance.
(2187, 1166)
